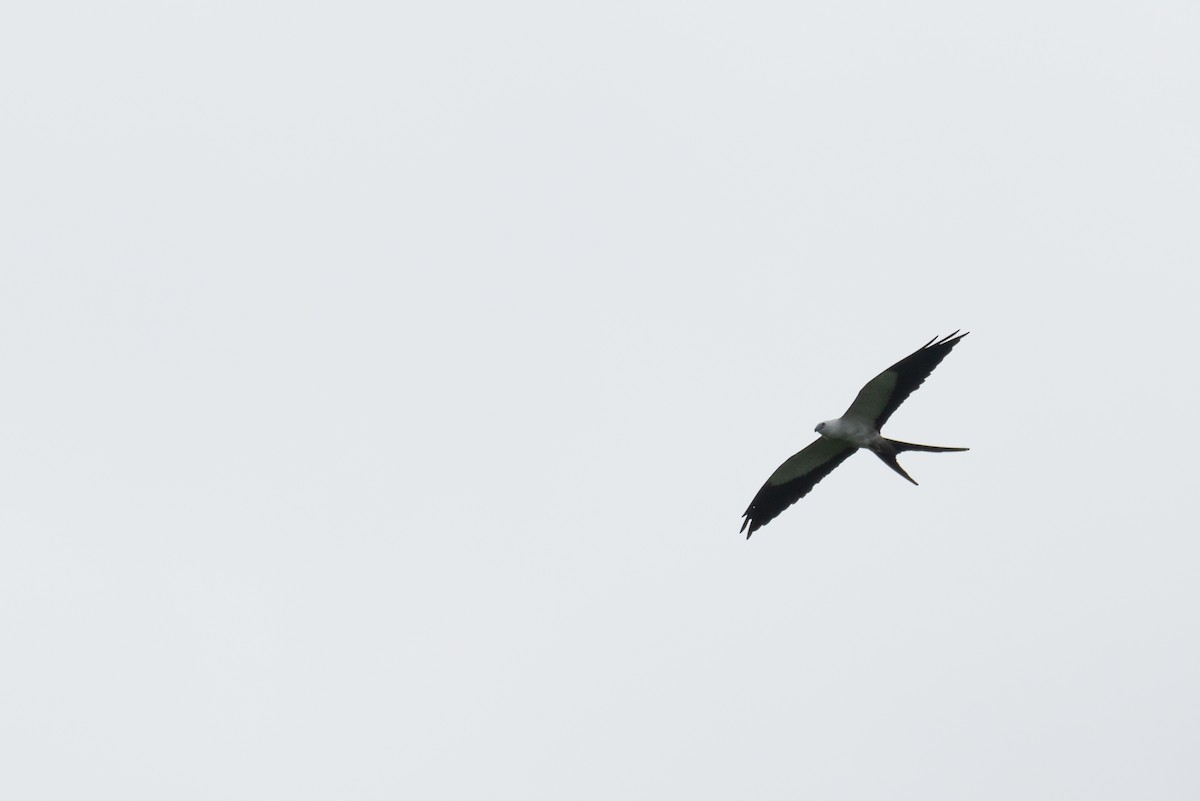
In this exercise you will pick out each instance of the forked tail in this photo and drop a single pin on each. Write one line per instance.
(888, 454)
(901, 447)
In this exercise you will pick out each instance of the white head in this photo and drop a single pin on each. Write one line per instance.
(832, 429)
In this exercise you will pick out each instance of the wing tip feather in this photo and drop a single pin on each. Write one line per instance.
(950, 339)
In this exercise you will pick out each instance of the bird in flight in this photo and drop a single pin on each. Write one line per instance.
(857, 428)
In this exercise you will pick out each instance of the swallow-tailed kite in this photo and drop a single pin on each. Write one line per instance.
(857, 428)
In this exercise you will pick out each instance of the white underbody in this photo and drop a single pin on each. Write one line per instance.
(852, 431)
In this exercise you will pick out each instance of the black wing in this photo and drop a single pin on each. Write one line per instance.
(793, 480)
(884, 393)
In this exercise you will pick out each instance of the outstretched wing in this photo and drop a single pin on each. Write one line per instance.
(793, 480)
(884, 393)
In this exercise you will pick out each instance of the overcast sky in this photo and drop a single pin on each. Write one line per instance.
(383, 385)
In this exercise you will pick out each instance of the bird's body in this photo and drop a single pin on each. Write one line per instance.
(852, 431)
(858, 428)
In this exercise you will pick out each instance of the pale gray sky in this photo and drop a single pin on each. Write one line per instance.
(383, 385)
